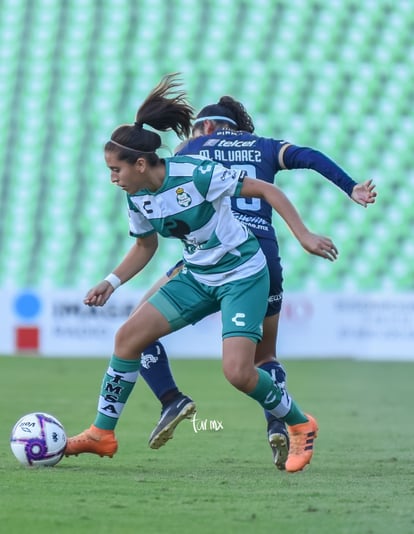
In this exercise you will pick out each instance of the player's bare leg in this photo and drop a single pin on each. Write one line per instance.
(141, 328)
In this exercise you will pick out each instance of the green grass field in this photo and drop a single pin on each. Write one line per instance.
(360, 481)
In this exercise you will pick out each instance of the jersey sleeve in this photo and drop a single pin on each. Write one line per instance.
(139, 226)
(296, 157)
(213, 180)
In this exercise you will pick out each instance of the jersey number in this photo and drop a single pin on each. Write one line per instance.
(247, 204)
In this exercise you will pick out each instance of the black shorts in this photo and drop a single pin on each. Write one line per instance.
(270, 249)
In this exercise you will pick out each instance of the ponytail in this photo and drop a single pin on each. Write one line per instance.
(165, 108)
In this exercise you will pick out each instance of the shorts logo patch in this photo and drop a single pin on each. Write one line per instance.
(237, 317)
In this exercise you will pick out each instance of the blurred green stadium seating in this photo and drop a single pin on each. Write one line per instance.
(334, 75)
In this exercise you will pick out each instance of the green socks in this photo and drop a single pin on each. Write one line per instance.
(121, 376)
(295, 416)
(117, 385)
(276, 401)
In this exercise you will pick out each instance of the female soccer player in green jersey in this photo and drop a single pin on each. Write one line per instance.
(188, 198)
(224, 132)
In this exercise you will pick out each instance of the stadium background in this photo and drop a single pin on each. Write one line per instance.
(334, 75)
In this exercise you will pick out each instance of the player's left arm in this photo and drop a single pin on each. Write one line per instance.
(296, 157)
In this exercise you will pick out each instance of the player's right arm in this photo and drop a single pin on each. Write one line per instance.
(135, 260)
(313, 243)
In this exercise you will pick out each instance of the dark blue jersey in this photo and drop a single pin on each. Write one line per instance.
(262, 158)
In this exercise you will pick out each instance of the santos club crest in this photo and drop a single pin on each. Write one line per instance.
(183, 198)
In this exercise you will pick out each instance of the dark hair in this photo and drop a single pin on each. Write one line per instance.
(165, 108)
(228, 107)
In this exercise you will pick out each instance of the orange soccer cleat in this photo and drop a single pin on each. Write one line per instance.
(93, 440)
(301, 438)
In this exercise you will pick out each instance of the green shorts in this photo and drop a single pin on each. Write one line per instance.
(243, 303)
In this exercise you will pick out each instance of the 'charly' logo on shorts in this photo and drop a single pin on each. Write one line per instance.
(237, 317)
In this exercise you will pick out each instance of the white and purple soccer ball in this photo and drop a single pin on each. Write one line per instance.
(38, 439)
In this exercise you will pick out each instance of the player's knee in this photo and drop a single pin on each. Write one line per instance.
(127, 344)
(122, 334)
(240, 377)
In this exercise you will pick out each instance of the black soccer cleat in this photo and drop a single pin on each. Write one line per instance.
(278, 437)
(180, 408)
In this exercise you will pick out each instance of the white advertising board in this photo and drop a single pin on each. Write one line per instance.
(313, 325)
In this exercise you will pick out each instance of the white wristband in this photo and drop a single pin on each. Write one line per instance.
(113, 280)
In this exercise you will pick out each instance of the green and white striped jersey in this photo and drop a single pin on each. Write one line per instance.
(193, 205)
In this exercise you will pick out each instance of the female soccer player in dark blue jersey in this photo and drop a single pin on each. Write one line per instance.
(224, 132)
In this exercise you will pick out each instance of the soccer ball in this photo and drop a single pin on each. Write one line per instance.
(38, 439)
